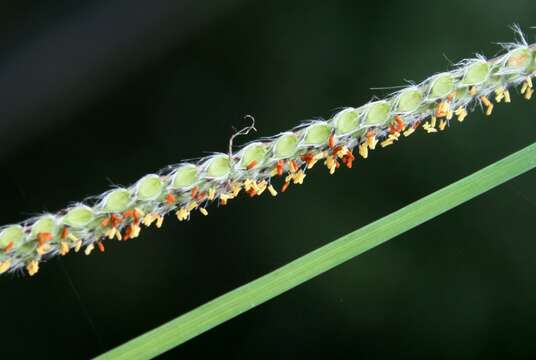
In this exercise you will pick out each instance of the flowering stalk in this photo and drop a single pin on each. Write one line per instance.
(192, 186)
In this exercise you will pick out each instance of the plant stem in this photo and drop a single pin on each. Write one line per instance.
(248, 296)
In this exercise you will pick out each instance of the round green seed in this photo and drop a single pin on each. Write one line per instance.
(253, 154)
(409, 100)
(378, 113)
(117, 200)
(442, 86)
(185, 176)
(346, 121)
(286, 145)
(46, 224)
(219, 166)
(149, 187)
(317, 134)
(476, 73)
(79, 216)
(519, 58)
(11, 235)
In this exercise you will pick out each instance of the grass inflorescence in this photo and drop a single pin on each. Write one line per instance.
(120, 213)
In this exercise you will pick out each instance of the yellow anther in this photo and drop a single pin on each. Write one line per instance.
(236, 188)
(344, 150)
(78, 246)
(32, 267)
(507, 96)
(134, 231)
(110, 234)
(372, 142)
(433, 121)
(499, 94)
(442, 124)
(182, 214)
(363, 150)
(429, 129)
(211, 193)
(64, 248)
(473, 90)
(394, 136)
(331, 164)
(298, 177)
(529, 82)
(409, 131)
(4, 266)
(44, 248)
(72, 237)
(118, 235)
(272, 191)
(449, 115)
(461, 113)
(321, 155)
(386, 143)
(159, 220)
(191, 205)
(148, 219)
(261, 186)
(442, 108)
(203, 211)
(292, 166)
(528, 93)
(89, 249)
(524, 87)
(488, 104)
(273, 172)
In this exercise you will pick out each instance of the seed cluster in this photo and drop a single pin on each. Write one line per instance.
(120, 213)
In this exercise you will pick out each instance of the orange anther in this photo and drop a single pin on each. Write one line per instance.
(293, 166)
(195, 190)
(400, 123)
(252, 192)
(285, 186)
(170, 199)
(64, 233)
(43, 237)
(251, 165)
(331, 140)
(336, 150)
(100, 245)
(105, 222)
(116, 220)
(8, 247)
(128, 213)
(280, 165)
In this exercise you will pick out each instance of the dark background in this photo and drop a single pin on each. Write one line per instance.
(94, 93)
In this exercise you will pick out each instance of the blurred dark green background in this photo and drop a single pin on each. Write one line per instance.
(94, 93)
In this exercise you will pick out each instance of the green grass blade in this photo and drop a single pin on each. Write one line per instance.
(315, 263)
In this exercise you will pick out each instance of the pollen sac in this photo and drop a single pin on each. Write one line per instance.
(317, 134)
(46, 224)
(519, 59)
(253, 154)
(185, 176)
(285, 146)
(347, 121)
(441, 86)
(149, 187)
(377, 113)
(219, 166)
(409, 100)
(476, 73)
(117, 200)
(79, 216)
(11, 235)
